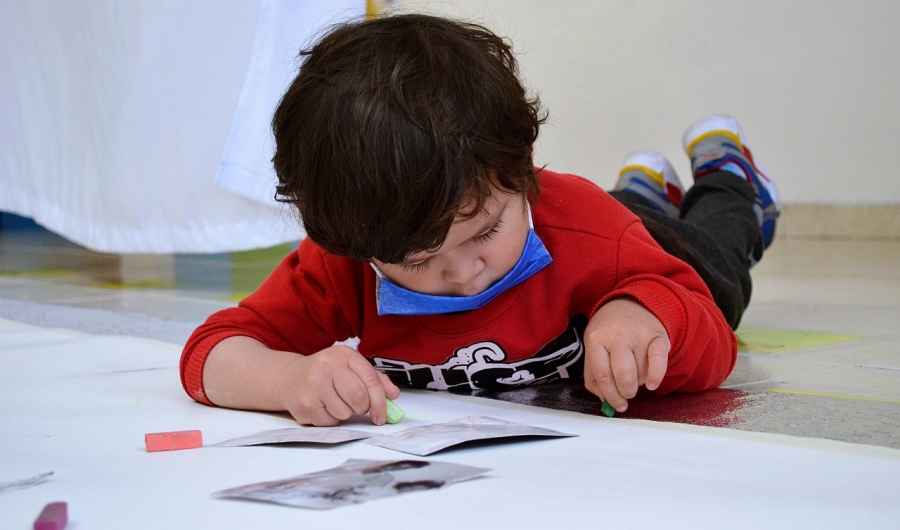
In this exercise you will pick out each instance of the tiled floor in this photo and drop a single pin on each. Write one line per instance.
(821, 354)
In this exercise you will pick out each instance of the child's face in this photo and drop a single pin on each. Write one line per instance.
(476, 253)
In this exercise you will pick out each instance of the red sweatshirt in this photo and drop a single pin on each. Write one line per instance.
(530, 334)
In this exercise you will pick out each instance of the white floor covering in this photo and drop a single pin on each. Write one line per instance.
(79, 404)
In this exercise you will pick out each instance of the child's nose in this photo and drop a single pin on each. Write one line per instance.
(462, 271)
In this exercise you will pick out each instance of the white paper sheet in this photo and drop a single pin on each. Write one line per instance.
(317, 435)
(424, 440)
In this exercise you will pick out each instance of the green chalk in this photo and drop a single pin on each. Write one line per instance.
(606, 408)
(394, 413)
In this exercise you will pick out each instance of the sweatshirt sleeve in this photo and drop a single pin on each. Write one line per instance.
(296, 309)
(704, 348)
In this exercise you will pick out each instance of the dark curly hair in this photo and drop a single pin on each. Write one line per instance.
(393, 126)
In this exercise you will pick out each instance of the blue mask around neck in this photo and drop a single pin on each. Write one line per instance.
(392, 299)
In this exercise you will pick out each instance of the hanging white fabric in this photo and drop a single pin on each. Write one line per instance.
(114, 118)
(246, 166)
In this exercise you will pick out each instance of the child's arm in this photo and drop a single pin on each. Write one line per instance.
(274, 351)
(655, 295)
(626, 347)
(320, 389)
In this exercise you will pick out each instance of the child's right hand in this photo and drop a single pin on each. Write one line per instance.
(330, 386)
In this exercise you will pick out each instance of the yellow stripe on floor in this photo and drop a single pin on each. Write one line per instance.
(825, 394)
(760, 340)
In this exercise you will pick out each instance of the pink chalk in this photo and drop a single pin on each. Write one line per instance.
(54, 516)
(172, 441)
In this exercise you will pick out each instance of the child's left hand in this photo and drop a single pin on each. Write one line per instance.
(625, 346)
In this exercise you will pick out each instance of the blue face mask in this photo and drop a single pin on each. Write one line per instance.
(395, 300)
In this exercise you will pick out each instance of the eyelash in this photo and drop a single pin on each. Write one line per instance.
(423, 265)
(416, 267)
(489, 234)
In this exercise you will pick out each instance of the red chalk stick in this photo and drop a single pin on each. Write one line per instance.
(171, 441)
(54, 516)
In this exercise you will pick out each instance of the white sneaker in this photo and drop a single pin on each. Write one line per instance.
(650, 175)
(717, 143)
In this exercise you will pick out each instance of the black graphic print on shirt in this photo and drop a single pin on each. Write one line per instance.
(481, 365)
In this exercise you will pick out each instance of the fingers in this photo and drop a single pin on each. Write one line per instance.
(600, 381)
(615, 373)
(349, 396)
(625, 372)
(390, 389)
(657, 361)
(322, 407)
(318, 416)
(374, 400)
(337, 383)
(626, 347)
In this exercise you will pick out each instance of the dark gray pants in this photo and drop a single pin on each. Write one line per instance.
(715, 232)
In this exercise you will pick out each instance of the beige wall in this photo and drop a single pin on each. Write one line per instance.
(816, 84)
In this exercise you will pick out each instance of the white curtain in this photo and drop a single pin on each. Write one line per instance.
(143, 126)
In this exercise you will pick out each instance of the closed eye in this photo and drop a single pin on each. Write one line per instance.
(489, 234)
(418, 266)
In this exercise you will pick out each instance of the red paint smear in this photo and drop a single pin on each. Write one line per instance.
(713, 408)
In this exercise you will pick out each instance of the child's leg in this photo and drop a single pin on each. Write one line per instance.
(718, 227)
(718, 222)
(721, 262)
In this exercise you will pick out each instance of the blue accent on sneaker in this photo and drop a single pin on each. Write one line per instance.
(740, 166)
(659, 201)
(735, 168)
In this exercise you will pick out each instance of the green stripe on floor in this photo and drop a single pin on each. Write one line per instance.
(761, 340)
